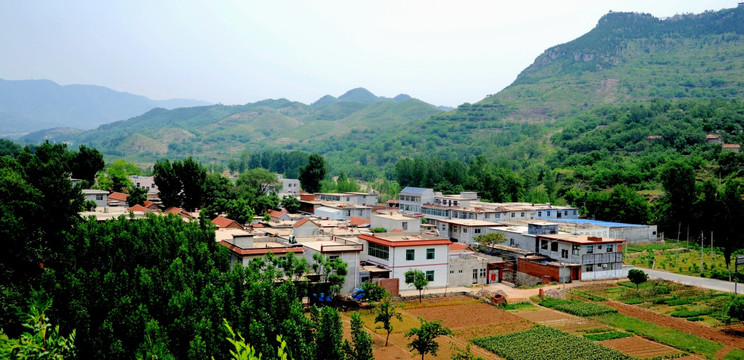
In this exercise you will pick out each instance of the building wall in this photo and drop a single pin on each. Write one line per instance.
(306, 229)
(101, 199)
(635, 235)
(412, 224)
(538, 270)
(605, 274)
(351, 259)
(290, 187)
(461, 271)
(398, 264)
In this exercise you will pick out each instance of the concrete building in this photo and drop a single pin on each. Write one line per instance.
(395, 221)
(468, 267)
(400, 252)
(411, 198)
(463, 231)
(289, 187)
(244, 247)
(348, 249)
(100, 197)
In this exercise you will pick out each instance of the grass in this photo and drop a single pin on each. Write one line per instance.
(520, 306)
(576, 307)
(664, 335)
(608, 335)
(734, 354)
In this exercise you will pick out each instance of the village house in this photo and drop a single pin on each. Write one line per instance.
(468, 267)
(464, 231)
(224, 223)
(244, 247)
(348, 249)
(117, 199)
(100, 197)
(395, 221)
(400, 252)
(146, 182)
(290, 187)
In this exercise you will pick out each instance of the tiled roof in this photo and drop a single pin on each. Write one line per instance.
(138, 207)
(178, 211)
(303, 221)
(118, 196)
(458, 247)
(401, 240)
(357, 221)
(223, 222)
(275, 214)
(262, 251)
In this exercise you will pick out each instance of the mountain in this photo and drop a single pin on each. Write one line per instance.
(219, 132)
(364, 96)
(32, 105)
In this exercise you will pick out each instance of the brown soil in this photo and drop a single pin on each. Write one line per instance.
(561, 321)
(639, 347)
(683, 325)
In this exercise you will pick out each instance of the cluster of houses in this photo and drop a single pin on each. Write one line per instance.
(423, 230)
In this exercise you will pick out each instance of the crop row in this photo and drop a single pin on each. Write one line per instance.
(542, 342)
(576, 307)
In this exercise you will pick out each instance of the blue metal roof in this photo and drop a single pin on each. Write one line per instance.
(413, 190)
(597, 222)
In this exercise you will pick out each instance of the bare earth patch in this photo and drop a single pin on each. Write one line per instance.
(639, 347)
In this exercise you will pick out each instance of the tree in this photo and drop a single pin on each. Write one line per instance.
(291, 204)
(418, 279)
(486, 241)
(191, 176)
(678, 180)
(736, 307)
(622, 204)
(373, 291)
(312, 173)
(86, 163)
(360, 347)
(333, 271)
(637, 277)
(137, 195)
(44, 342)
(240, 210)
(116, 176)
(424, 336)
(329, 335)
(169, 186)
(385, 312)
(463, 354)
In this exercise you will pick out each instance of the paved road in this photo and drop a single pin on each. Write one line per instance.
(706, 283)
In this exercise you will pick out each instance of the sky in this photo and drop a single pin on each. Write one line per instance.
(241, 51)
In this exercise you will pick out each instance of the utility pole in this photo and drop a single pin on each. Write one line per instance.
(702, 248)
(688, 235)
(711, 245)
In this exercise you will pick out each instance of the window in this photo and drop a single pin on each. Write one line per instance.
(482, 273)
(574, 212)
(554, 246)
(599, 247)
(564, 253)
(410, 255)
(429, 254)
(589, 268)
(521, 214)
(512, 214)
(464, 230)
(378, 251)
(475, 275)
(477, 231)
(459, 271)
(544, 244)
(575, 250)
(452, 271)
(405, 225)
(498, 216)
(539, 213)
(99, 197)
(548, 213)
(333, 257)
(590, 249)
(430, 275)
(609, 248)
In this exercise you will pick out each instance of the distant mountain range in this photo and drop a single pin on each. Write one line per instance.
(32, 105)
(216, 132)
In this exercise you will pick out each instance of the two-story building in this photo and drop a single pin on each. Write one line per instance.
(395, 221)
(400, 252)
(348, 249)
(411, 198)
(464, 231)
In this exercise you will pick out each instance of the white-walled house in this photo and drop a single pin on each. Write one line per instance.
(400, 252)
(464, 231)
(395, 221)
(411, 198)
(329, 246)
(100, 197)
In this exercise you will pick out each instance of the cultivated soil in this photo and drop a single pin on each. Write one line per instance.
(641, 348)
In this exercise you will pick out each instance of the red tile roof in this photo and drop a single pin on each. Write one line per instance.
(398, 231)
(178, 211)
(275, 214)
(138, 207)
(358, 222)
(224, 223)
(150, 205)
(303, 221)
(118, 196)
(458, 247)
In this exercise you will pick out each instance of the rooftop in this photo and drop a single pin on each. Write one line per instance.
(393, 216)
(580, 239)
(329, 243)
(414, 190)
(469, 222)
(404, 239)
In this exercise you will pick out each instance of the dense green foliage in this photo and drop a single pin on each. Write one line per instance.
(385, 312)
(608, 335)
(417, 278)
(542, 342)
(360, 347)
(637, 277)
(312, 173)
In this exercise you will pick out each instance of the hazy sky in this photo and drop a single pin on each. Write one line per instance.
(239, 51)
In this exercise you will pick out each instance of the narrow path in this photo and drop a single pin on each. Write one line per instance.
(703, 331)
(706, 283)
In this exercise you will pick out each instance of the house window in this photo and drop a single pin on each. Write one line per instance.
(498, 216)
(477, 231)
(404, 225)
(464, 230)
(539, 213)
(410, 255)
(488, 216)
(459, 271)
(475, 275)
(590, 249)
(333, 257)
(574, 212)
(548, 213)
(521, 214)
(564, 253)
(429, 254)
(378, 251)
(554, 246)
(482, 273)
(609, 248)
(430, 275)
(99, 197)
(512, 214)
(589, 268)
(544, 244)
(575, 250)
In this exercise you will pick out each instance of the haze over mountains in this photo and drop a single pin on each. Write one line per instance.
(32, 105)
(626, 58)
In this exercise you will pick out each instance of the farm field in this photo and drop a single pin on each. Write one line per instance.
(626, 332)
